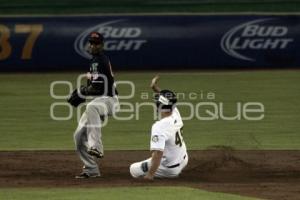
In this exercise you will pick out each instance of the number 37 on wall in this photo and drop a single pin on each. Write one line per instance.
(33, 31)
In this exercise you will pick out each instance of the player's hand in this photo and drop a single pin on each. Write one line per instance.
(148, 177)
(154, 85)
(89, 76)
(154, 81)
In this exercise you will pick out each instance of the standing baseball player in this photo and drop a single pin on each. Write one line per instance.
(104, 103)
(168, 151)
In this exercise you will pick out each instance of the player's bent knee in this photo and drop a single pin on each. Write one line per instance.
(98, 107)
(135, 170)
(90, 107)
(132, 170)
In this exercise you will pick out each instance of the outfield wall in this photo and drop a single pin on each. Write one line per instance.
(152, 41)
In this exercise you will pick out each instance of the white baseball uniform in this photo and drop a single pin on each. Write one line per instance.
(165, 136)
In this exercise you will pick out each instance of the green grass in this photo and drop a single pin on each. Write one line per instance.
(139, 6)
(25, 102)
(133, 193)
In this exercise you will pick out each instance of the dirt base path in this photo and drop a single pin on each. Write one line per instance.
(263, 174)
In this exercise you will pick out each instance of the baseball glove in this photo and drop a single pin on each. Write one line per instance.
(75, 99)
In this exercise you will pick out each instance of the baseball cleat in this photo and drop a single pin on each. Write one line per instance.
(85, 175)
(95, 152)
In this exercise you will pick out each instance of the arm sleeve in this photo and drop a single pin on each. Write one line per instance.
(158, 138)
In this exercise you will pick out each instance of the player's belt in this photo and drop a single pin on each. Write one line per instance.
(176, 165)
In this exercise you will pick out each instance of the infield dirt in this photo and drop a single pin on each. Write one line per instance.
(255, 173)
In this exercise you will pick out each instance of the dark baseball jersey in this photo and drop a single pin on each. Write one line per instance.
(102, 79)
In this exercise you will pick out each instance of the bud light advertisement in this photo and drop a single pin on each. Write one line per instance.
(151, 42)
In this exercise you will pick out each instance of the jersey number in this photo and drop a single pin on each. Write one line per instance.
(178, 140)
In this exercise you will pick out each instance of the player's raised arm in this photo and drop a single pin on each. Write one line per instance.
(154, 84)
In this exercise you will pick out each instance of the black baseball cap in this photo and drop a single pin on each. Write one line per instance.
(96, 38)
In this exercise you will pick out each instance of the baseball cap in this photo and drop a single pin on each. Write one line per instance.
(96, 38)
(165, 99)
